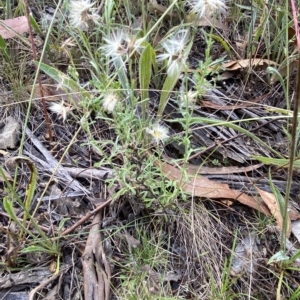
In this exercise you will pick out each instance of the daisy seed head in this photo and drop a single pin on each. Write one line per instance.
(175, 51)
(82, 13)
(116, 44)
(203, 8)
(110, 100)
(60, 109)
(158, 132)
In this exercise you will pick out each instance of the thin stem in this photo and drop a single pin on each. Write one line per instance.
(38, 75)
(291, 159)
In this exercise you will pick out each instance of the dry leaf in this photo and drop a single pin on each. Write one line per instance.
(245, 63)
(296, 229)
(12, 27)
(272, 204)
(225, 75)
(227, 202)
(4, 153)
(203, 187)
(293, 213)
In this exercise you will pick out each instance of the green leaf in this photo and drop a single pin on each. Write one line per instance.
(278, 257)
(167, 88)
(280, 162)
(64, 80)
(33, 248)
(295, 295)
(145, 72)
(30, 188)
(3, 49)
(62, 223)
(8, 206)
(35, 25)
(221, 41)
(279, 199)
(121, 71)
(295, 257)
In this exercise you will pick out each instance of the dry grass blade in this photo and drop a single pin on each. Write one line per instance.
(200, 243)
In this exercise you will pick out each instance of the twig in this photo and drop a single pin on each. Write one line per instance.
(104, 274)
(86, 217)
(45, 283)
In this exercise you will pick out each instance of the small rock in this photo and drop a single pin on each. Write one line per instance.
(9, 133)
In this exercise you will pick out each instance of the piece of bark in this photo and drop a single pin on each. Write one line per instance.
(24, 277)
(90, 173)
(54, 165)
(96, 281)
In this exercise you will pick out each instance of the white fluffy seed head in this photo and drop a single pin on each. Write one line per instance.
(159, 132)
(115, 45)
(60, 109)
(174, 48)
(110, 101)
(81, 14)
(121, 43)
(203, 8)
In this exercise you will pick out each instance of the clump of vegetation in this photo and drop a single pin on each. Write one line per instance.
(157, 152)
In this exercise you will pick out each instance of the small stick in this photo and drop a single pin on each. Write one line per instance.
(86, 217)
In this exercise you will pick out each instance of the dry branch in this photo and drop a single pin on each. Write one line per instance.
(96, 279)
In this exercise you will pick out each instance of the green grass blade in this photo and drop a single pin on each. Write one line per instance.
(45, 242)
(168, 86)
(3, 50)
(34, 248)
(279, 162)
(278, 196)
(35, 25)
(31, 186)
(145, 72)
